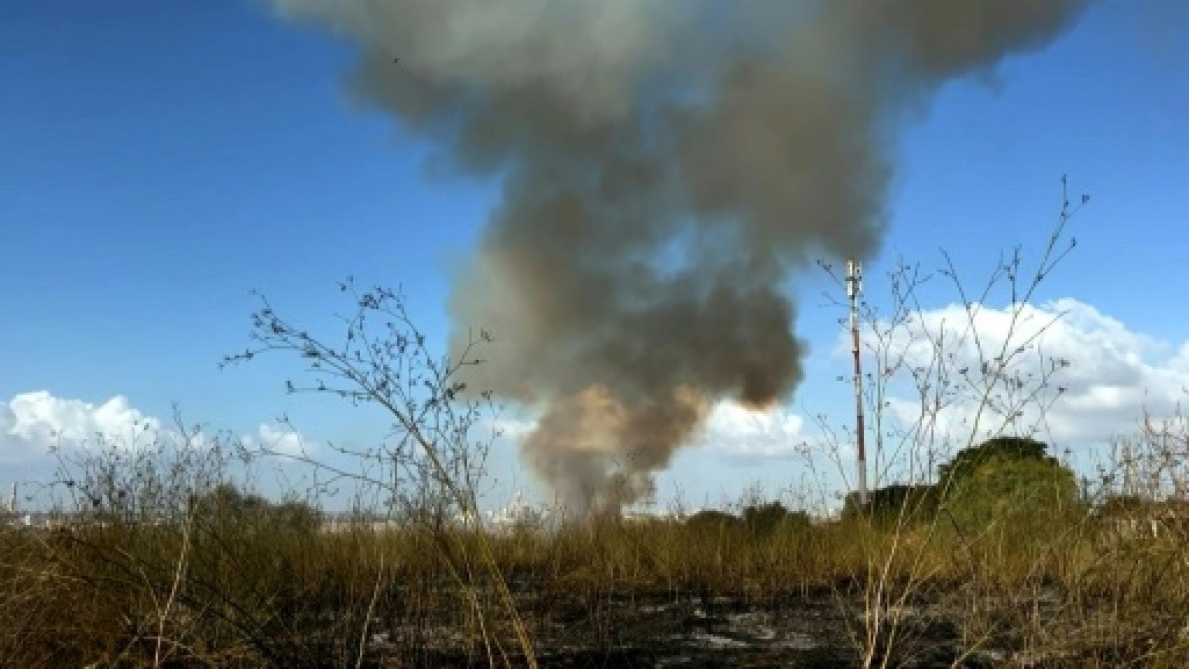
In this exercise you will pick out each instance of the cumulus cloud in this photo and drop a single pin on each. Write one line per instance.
(733, 432)
(743, 434)
(1062, 369)
(278, 440)
(33, 423)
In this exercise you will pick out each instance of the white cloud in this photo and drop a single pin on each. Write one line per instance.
(732, 431)
(33, 423)
(740, 433)
(278, 440)
(1113, 375)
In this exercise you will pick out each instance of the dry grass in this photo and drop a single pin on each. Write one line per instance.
(207, 592)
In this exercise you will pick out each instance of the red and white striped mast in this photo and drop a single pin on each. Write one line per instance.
(854, 286)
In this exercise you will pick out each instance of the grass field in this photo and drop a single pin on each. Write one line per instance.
(225, 585)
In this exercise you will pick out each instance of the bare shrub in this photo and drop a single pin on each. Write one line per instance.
(935, 387)
(427, 474)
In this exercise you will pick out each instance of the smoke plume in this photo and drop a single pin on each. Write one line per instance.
(666, 165)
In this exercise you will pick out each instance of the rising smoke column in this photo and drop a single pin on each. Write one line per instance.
(666, 165)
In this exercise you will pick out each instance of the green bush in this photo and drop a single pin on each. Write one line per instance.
(711, 520)
(895, 503)
(247, 510)
(764, 519)
(969, 460)
(1021, 495)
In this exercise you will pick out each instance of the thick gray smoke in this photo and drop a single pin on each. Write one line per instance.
(666, 165)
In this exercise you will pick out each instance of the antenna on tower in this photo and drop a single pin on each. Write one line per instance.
(854, 286)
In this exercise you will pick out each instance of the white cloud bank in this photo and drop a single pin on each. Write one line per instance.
(743, 434)
(1112, 377)
(732, 431)
(277, 440)
(33, 423)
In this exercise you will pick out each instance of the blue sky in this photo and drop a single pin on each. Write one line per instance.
(160, 160)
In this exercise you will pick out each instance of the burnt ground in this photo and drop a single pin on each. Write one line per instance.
(948, 626)
(662, 630)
